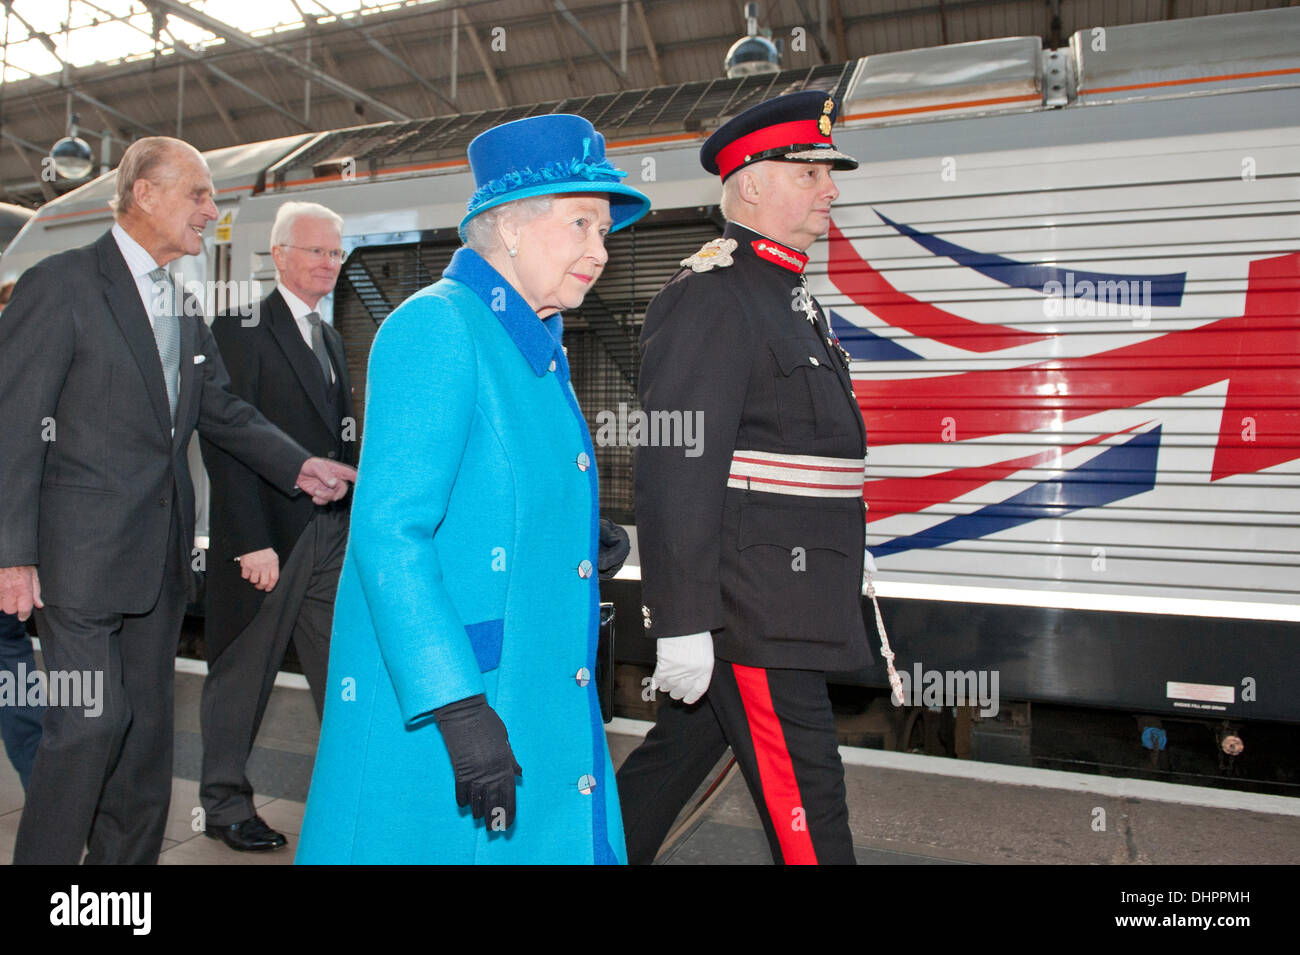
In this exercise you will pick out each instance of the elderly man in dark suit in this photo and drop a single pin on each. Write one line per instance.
(275, 559)
(105, 372)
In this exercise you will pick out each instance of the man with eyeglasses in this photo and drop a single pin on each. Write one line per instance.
(274, 561)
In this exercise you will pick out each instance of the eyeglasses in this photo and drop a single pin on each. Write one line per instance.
(316, 252)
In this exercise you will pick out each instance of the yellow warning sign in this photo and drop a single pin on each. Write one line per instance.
(224, 228)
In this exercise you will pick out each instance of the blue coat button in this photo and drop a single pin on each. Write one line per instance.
(587, 784)
(551, 366)
(584, 462)
(582, 677)
(584, 569)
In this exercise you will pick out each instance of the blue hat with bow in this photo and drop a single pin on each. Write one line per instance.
(544, 156)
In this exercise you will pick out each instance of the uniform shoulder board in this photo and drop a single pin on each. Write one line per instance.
(714, 255)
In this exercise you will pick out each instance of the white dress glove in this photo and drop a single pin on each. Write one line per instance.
(685, 666)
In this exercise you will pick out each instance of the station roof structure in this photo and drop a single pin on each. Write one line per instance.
(222, 72)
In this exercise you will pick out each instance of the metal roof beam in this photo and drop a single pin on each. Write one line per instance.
(570, 69)
(45, 40)
(201, 60)
(226, 119)
(586, 38)
(87, 98)
(232, 35)
(197, 58)
(264, 100)
(842, 49)
(405, 67)
(482, 59)
(18, 144)
(649, 42)
(819, 36)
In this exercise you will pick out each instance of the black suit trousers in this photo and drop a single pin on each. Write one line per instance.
(779, 725)
(241, 677)
(102, 780)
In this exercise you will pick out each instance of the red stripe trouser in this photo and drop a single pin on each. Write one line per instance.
(779, 725)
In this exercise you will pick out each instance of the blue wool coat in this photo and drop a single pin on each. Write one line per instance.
(470, 568)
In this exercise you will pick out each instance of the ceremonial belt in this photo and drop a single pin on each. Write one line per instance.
(804, 475)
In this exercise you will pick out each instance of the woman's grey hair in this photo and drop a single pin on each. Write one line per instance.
(481, 231)
(291, 212)
(143, 159)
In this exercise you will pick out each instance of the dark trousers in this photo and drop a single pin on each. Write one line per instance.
(779, 725)
(103, 781)
(20, 726)
(240, 679)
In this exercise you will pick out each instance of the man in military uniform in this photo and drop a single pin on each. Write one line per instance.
(752, 551)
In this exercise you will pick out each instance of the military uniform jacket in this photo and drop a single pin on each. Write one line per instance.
(757, 531)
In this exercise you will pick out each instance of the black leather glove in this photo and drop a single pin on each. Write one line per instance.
(481, 758)
(614, 548)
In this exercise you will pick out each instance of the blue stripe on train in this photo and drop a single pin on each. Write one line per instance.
(1116, 473)
(1165, 290)
(865, 345)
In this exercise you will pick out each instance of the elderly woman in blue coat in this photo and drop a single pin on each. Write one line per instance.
(462, 724)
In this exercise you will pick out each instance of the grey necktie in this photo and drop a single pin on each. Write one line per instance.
(318, 346)
(167, 334)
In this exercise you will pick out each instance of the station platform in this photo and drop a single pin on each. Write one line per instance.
(904, 809)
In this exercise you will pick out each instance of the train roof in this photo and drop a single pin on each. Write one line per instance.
(1193, 57)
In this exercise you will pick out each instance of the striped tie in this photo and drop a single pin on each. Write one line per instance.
(167, 333)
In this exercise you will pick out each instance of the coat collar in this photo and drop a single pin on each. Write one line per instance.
(538, 340)
(766, 248)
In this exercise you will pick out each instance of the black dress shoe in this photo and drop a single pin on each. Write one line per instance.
(251, 835)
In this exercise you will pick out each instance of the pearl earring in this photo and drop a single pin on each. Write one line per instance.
(514, 250)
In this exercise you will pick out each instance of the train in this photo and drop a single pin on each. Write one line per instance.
(1069, 283)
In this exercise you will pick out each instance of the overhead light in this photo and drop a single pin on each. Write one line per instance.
(71, 155)
(753, 53)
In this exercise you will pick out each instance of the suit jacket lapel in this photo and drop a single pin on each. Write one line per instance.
(128, 311)
(299, 355)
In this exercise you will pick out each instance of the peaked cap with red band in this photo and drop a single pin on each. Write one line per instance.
(792, 128)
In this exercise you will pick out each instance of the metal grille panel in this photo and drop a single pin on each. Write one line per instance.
(600, 338)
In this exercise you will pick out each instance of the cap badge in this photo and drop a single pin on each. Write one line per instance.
(824, 121)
